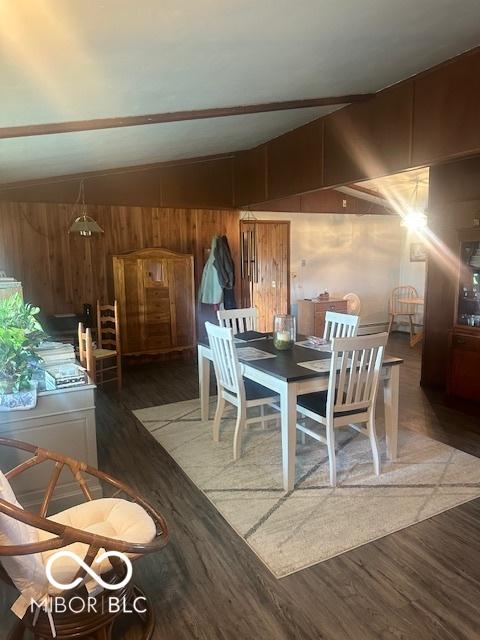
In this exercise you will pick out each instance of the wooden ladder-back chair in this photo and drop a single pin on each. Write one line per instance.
(108, 344)
(402, 309)
(350, 398)
(239, 320)
(85, 350)
(340, 325)
(28, 540)
(232, 387)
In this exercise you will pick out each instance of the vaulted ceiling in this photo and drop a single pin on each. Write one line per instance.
(74, 60)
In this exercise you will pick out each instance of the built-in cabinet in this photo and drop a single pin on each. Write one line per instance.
(63, 421)
(155, 292)
(464, 378)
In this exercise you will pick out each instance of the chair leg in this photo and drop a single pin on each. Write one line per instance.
(262, 415)
(372, 434)
(239, 426)
(303, 436)
(331, 456)
(218, 416)
(412, 331)
(390, 324)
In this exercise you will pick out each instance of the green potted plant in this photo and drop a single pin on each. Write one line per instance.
(20, 333)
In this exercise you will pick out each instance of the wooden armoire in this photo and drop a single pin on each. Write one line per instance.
(155, 292)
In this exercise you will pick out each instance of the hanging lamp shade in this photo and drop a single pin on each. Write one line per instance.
(85, 226)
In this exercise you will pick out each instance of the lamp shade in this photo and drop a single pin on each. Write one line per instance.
(85, 226)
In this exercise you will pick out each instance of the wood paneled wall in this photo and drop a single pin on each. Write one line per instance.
(427, 119)
(323, 201)
(60, 272)
(204, 183)
(454, 202)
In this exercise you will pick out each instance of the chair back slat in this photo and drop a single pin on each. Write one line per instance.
(85, 350)
(225, 358)
(402, 308)
(355, 372)
(340, 325)
(108, 326)
(239, 320)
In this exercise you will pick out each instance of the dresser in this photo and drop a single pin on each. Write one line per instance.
(63, 421)
(155, 293)
(311, 315)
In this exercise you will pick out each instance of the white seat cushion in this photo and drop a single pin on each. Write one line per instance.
(109, 517)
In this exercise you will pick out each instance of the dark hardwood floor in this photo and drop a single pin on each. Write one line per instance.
(420, 583)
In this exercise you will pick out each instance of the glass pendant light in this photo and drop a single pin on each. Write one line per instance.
(84, 225)
(414, 218)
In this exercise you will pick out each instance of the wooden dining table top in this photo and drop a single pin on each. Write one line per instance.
(285, 364)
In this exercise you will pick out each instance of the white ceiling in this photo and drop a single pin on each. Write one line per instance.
(78, 59)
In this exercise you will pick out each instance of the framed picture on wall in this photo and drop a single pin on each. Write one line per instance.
(418, 252)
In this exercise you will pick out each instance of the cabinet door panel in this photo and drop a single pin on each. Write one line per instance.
(464, 378)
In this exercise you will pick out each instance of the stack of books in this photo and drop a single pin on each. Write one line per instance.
(64, 375)
(9, 286)
(54, 353)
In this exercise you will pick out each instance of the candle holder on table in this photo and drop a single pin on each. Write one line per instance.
(284, 332)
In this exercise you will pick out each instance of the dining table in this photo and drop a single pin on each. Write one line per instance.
(284, 374)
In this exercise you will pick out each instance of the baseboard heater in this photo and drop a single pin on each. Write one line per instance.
(372, 327)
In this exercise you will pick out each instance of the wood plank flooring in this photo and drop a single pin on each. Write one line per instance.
(422, 583)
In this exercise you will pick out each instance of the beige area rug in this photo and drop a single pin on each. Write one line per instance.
(314, 522)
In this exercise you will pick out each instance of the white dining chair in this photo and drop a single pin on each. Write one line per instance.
(350, 398)
(340, 325)
(239, 320)
(232, 387)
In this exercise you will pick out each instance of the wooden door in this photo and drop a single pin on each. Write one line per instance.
(265, 262)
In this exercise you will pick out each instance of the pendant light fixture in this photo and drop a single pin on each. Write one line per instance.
(415, 219)
(84, 225)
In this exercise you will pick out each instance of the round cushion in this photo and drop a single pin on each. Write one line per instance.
(110, 517)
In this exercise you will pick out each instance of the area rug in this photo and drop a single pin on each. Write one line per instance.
(291, 531)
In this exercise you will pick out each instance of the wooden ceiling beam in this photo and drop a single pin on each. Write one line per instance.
(23, 131)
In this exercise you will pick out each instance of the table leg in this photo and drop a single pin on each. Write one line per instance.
(288, 412)
(203, 383)
(391, 387)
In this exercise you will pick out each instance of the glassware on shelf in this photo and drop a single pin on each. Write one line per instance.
(284, 332)
(468, 304)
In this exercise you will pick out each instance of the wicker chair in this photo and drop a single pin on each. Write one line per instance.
(147, 533)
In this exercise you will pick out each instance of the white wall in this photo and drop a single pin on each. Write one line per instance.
(411, 272)
(343, 253)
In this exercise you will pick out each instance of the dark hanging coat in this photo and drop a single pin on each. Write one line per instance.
(225, 267)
